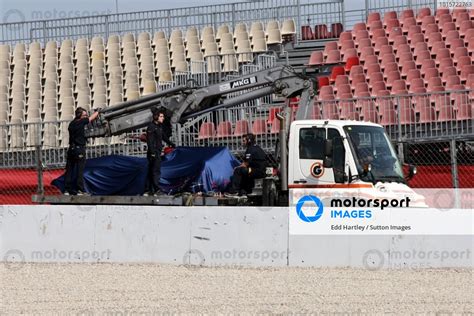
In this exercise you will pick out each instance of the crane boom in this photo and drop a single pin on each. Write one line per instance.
(185, 102)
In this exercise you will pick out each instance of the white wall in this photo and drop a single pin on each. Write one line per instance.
(249, 236)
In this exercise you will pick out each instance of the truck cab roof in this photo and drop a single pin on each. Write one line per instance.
(339, 123)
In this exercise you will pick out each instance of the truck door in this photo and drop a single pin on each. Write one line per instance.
(308, 167)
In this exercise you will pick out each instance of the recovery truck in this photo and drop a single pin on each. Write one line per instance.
(313, 154)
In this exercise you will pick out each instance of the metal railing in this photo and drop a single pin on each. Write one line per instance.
(167, 20)
(435, 115)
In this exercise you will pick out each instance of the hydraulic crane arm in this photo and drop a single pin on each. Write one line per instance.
(186, 102)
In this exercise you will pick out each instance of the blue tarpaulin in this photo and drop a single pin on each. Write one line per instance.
(185, 169)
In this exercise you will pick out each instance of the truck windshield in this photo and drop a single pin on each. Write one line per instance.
(370, 145)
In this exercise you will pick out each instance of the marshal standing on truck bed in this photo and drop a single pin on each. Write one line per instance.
(253, 167)
(155, 135)
(76, 154)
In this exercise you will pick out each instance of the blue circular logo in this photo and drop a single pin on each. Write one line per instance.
(318, 213)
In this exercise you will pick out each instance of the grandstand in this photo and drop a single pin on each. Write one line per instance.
(408, 67)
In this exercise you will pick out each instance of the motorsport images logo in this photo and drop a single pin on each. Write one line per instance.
(310, 208)
(317, 210)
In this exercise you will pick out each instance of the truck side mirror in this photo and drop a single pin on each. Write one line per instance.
(411, 172)
(327, 162)
(328, 148)
(328, 151)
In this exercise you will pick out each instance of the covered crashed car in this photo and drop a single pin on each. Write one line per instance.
(185, 169)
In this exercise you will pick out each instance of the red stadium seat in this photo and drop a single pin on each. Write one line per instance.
(407, 112)
(387, 59)
(352, 61)
(350, 53)
(330, 110)
(407, 23)
(345, 36)
(443, 19)
(423, 106)
(331, 46)
(465, 27)
(323, 81)
(422, 13)
(373, 68)
(371, 59)
(391, 24)
(406, 67)
(433, 38)
(368, 110)
(315, 112)
(388, 68)
(358, 69)
(399, 87)
(316, 58)
(392, 77)
(378, 86)
(343, 90)
(206, 131)
(444, 108)
(347, 44)
(406, 14)
(426, 64)
(259, 127)
(416, 84)
(363, 42)
(437, 46)
(348, 111)
(388, 115)
(396, 31)
(420, 47)
(361, 26)
(376, 33)
(224, 129)
(422, 56)
(441, 11)
(334, 56)
(342, 79)
(390, 15)
(275, 126)
(464, 110)
(433, 83)
(430, 73)
(321, 31)
(466, 71)
(416, 38)
(241, 128)
(335, 72)
(447, 72)
(273, 112)
(307, 33)
(463, 61)
(373, 16)
(336, 29)
(379, 42)
(386, 49)
(441, 54)
(445, 63)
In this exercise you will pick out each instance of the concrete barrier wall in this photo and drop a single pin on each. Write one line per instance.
(211, 236)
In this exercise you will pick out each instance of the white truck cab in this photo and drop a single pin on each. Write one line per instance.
(329, 154)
